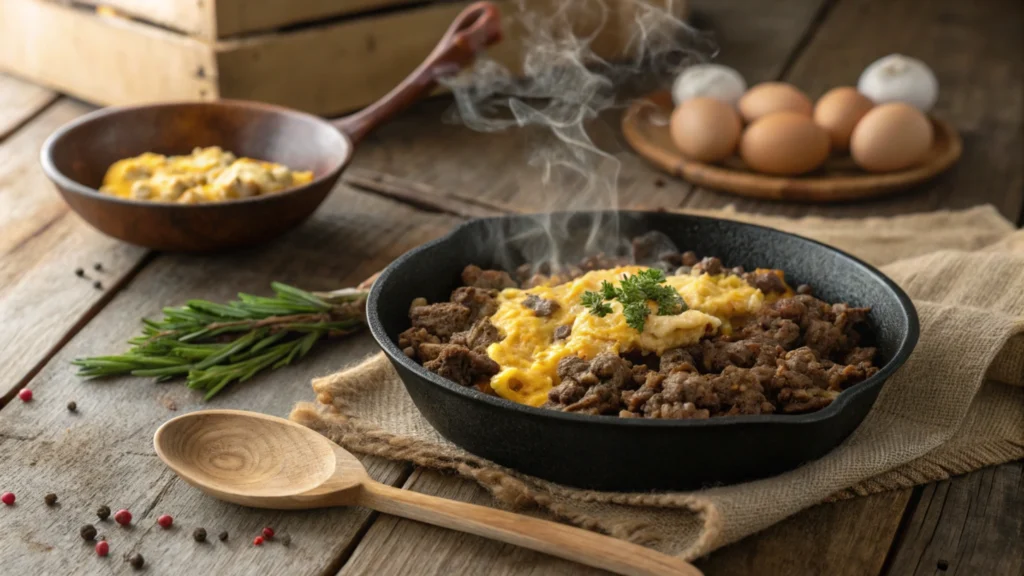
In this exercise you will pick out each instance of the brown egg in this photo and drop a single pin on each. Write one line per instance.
(769, 97)
(705, 129)
(838, 111)
(891, 137)
(784, 143)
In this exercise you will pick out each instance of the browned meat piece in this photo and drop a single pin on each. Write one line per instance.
(541, 306)
(737, 271)
(572, 367)
(677, 360)
(860, 356)
(654, 247)
(481, 302)
(716, 355)
(823, 337)
(770, 328)
(801, 368)
(563, 332)
(804, 289)
(410, 340)
(461, 365)
(690, 258)
(490, 279)
(479, 336)
(690, 387)
(674, 411)
(841, 377)
(428, 351)
(601, 261)
(603, 379)
(566, 393)
(740, 390)
(767, 282)
(710, 265)
(635, 399)
(794, 401)
(441, 320)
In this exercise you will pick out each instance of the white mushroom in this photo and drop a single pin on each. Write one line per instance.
(711, 81)
(898, 78)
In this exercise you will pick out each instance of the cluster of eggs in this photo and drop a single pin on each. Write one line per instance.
(776, 129)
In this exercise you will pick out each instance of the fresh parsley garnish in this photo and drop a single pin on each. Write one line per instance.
(634, 292)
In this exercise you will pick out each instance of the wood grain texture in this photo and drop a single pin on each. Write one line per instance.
(757, 38)
(977, 53)
(846, 538)
(41, 244)
(20, 101)
(108, 60)
(103, 453)
(972, 524)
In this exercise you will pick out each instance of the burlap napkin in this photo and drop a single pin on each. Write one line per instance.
(957, 404)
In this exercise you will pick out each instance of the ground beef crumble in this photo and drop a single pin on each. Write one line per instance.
(795, 355)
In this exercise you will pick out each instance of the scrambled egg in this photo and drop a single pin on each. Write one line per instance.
(529, 353)
(206, 175)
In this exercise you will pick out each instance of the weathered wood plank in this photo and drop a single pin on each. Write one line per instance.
(41, 244)
(103, 454)
(19, 102)
(757, 38)
(972, 524)
(397, 546)
(977, 52)
(847, 538)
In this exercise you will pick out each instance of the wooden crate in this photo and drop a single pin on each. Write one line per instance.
(322, 56)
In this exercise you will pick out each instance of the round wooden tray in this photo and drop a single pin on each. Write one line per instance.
(645, 126)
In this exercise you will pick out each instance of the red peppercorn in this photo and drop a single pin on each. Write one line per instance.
(164, 521)
(102, 548)
(257, 541)
(123, 517)
(7, 498)
(268, 532)
(25, 394)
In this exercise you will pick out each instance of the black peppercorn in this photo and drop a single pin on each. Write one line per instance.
(223, 536)
(199, 534)
(79, 272)
(285, 539)
(103, 512)
(88, 532)
(97, 285)
(97, 266)
(136, 560)
(72, 407)
(50, 499)
(659, 182)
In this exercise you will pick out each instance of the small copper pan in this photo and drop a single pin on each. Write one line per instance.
(78, 154)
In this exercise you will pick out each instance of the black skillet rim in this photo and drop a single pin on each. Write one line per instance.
(396, 355)
(67, 183)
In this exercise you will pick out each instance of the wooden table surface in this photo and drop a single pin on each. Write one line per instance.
(410, 182)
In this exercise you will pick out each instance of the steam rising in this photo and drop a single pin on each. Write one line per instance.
(560, 94)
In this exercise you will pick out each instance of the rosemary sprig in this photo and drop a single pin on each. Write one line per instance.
(213, 345)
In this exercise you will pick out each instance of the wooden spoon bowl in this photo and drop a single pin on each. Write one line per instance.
(77, 155)
(268, 462)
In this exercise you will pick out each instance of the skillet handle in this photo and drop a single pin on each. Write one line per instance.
(476, 27)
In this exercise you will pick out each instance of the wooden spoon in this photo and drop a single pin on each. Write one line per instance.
(268, 462)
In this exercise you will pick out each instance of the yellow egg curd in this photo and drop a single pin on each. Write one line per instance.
(207, 175)
(529, 353)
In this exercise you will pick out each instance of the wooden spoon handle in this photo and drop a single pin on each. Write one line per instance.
(552, 538)
(476, 27)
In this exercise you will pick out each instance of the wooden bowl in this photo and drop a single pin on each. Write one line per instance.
(77, 155)
(646, 128)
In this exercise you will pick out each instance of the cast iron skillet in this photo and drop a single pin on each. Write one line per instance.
(611, 453)
(78, 154)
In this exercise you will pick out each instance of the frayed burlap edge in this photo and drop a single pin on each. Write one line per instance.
(330, 416)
